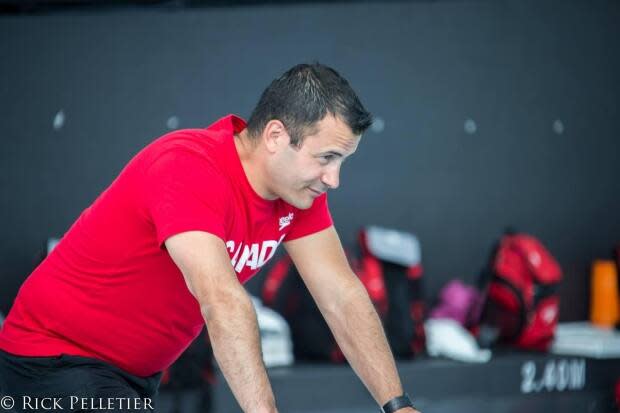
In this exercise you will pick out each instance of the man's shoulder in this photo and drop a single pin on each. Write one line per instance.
(198, 141)
(195, 147)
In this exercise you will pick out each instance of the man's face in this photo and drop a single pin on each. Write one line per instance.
(299, 175)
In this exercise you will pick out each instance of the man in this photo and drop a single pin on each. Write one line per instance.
(166, 248)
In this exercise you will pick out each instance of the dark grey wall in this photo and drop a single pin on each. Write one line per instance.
(513, 67)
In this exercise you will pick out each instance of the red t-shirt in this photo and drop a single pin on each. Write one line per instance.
(109, 289)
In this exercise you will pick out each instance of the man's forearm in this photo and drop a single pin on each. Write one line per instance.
(358, 330)
(233, 331)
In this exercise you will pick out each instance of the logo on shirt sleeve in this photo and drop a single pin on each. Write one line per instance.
(285, 221)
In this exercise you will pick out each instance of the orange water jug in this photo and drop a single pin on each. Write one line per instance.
(604, 293)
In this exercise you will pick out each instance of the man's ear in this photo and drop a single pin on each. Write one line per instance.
(275, 135)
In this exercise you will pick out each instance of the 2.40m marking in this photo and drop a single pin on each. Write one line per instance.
(556, 375)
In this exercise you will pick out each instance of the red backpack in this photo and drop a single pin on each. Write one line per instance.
(388, 264)
(522, 299)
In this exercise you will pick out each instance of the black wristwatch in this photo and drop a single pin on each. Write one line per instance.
(397, 403)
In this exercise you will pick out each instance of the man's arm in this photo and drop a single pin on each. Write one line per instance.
(229, 314)
(345, 304)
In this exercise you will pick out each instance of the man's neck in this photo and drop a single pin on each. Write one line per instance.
(251, 160)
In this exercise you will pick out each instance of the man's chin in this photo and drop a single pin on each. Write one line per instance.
(301, 202)
(305, 204)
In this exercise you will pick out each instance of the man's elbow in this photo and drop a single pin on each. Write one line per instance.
(223, 300)
(351, 295)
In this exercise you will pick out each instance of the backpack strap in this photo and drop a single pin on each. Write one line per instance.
(274, 280)
(522, 314)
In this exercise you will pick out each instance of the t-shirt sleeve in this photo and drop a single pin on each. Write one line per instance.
(184, 192)
(311, 220)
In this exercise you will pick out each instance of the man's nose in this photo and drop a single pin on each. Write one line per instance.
(331, 177)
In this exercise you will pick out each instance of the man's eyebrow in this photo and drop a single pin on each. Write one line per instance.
(332, 152)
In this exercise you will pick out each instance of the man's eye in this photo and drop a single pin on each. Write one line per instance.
(327, 158)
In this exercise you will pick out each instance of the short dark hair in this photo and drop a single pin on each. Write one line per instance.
(304, 95)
